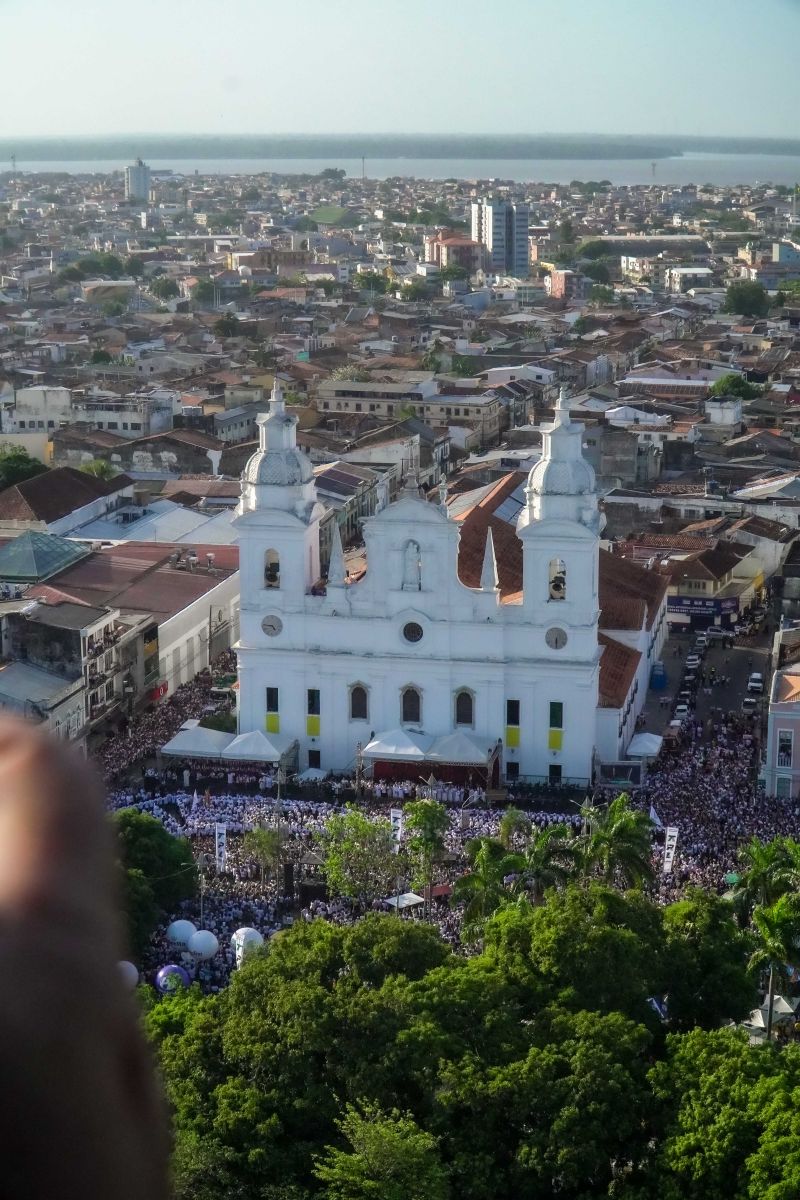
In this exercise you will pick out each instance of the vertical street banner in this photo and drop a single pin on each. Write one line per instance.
(670, 845)
(396, 819)
(655, 818)
(220, 845)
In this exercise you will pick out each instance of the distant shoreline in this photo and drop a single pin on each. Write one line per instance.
(399, 147)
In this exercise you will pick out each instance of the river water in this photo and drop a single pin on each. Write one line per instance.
(720, 169)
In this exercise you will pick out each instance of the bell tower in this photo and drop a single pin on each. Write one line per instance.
(560, 533)
(278, 518)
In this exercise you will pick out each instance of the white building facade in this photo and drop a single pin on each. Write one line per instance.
(408, 667)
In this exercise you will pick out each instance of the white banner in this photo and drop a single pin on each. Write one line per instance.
(220, 845)
(396, 818)
(670, 845)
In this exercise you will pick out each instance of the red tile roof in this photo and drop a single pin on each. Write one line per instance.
(618, 666)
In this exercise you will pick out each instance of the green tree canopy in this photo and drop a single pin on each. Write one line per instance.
(748, 299)
(17, 465)
(360, 862)
(134, 265)
(203, 291)
(164, 288)
(388, 1156)
(598, 271)
(735, 385)
(100, 468)
(165, 861)
(227, 326)
(265, 846)
(709, 980)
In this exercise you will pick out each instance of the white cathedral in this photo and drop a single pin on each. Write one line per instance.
(409, 669)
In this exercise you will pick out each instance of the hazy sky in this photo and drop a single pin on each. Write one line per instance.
(474, 66)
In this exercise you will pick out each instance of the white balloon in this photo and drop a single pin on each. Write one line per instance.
(179, 932)
(203, 944)
(129, 973)
(243, 941)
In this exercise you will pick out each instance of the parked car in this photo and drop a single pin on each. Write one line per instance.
(755, 684)
(701, 642)
(750, 704)
(716, 635)
(681, 711)
(692, 662)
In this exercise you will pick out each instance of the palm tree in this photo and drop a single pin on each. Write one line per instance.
(616, 842)
(482, 890)
(549, 861)
(777, 932)
(100, 469)
(770, 870)
(513, 821)
(266, 847)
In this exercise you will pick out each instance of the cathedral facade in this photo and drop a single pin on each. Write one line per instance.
(407, 668)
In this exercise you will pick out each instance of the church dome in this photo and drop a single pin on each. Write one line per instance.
(278, 462)
(561, 477)
(281, 468)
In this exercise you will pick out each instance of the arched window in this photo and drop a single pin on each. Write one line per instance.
(359, 704)
(272, 569)
(411, 706)
(557, 576)
(464, 708)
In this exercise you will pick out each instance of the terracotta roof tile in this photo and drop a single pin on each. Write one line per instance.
(618, 666)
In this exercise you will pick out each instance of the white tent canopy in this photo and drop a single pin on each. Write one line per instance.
(399, 744)
(645, 745)
(255, 746)
(192, 741)
(406, 900)
(458, 748)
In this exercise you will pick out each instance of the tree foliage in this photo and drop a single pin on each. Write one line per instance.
(17, 465)
(164, 288)
(735, 385)
(360, 862)
(159, 869)
(747, 299)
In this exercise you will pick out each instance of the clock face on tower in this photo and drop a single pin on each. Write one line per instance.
(556, 638)
(272, 625)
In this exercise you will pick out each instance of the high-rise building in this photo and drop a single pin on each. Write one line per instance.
(502, 227)
(137, 181)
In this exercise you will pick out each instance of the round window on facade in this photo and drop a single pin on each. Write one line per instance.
(412, 632)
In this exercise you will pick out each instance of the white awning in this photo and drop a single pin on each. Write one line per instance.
(255, 746)
(398, 744)
(406, 900)
(645, 745)
(458, 748)
(192, 741)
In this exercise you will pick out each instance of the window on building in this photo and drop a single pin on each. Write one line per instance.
(512, 712)
(512, 770)
(411, 706)
(464, 708)
(359, 708)
(113, 424)
(556, 714)
(554, 773)
(272, 569)
(785, 739)
(314, 759)
(783, 787)
(51, 424)
(135, 426)
(557, 576)
(272, 700)
(312, 702)
(358, 408)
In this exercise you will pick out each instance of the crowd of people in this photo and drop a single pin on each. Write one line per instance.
(141, 738)
(705, 788)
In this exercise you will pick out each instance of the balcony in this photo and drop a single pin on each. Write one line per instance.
(785, 760)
